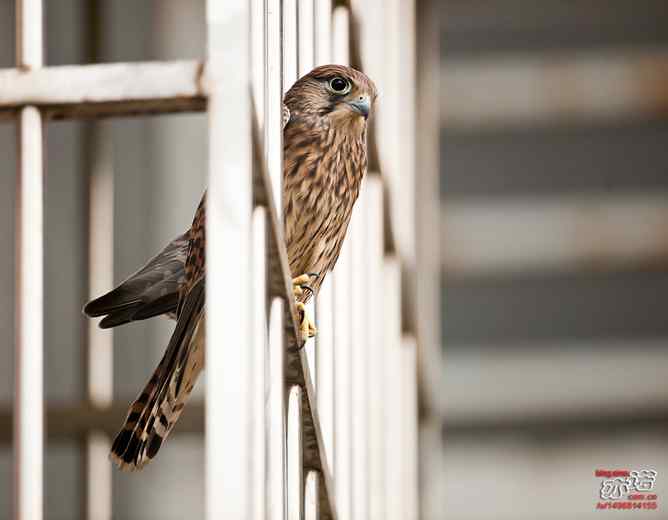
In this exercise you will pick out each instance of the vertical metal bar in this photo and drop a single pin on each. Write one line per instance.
(342, 384)
(311, 502)
(325, 304)
(305, 60)
(259, 362)
(306, 42)
(290, 64)
(273, 137)
(376, 352)
(258, 53)
(29, 355)
(276, 449)
(409, 435)
(323, 32)
(360, 342)
(341, 36)
(99, 355)
(392, 340)
(229, 401)
(342, 331)
(276, 404)
(294, 451)
(325, 365)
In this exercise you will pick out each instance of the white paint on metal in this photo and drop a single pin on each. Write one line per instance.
(311, 504)
(295, 489)
(273, 137)
(483, 236)
(228, 332)
(343, 340)
(409, 433)
(29, 355)
(394, 485)
(276, 483)
(290, 44)
(342, 383)
(29, 332)
(376, 402)
(260, 360)
(326, 350)
(513, 89)
(306, 41)
(100, 354)
(323, 32)
(360, 346)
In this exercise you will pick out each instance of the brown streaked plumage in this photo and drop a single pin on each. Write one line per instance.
(324, 161)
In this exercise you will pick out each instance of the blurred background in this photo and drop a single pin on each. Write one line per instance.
(554, 189)
(554, 250)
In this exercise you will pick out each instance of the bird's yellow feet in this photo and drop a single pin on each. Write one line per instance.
(302, 284)
(306, 326)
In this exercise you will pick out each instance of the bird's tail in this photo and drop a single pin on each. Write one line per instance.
(154, 413)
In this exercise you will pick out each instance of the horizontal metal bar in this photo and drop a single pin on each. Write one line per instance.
(556, 378)
(553, 89)
(595, 233)
(67, 422)
(105, 90)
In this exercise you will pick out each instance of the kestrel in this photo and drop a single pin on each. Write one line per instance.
(324, 162)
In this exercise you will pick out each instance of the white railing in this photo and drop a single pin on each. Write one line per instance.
(323, 430)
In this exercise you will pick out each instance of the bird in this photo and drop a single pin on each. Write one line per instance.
(325, 121)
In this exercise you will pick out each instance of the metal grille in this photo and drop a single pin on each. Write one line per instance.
(288, 429)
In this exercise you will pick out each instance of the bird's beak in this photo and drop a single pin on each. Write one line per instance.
(362, 105)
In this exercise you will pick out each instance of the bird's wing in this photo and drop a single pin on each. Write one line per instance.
(155, 412)
(151, 291)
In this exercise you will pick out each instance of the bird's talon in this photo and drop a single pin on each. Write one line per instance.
(306, 326)
(302, 283)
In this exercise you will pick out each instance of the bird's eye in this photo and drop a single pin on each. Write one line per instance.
(339, 85)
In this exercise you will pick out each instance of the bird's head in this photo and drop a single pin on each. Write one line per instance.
(343, 94)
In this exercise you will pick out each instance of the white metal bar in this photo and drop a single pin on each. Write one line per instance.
(305, 62)
(311, 502)
(396, 121)
(409, 434)
(375, 323)
(259, 54)
(342, 325)
(323, 32)
(29, 398)
(229, 401)
(360, 343)
(520, 235)
(273, 137)
(106, 89)
(394, 489)
(306, 41)
(29, 333)
(343, 383)
(325, 363)
(99, 355)
(276, 501)
(295, 490)
(340, 36)
(290, 66)
(556, 89)
(260, 356)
